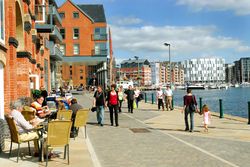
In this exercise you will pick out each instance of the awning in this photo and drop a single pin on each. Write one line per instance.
(86, 60)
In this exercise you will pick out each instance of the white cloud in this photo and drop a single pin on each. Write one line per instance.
(240, 7)
(122, 21)
(185, 40)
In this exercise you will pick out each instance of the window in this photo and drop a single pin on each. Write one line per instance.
(2, 21)
(81, 70)
(70, 72)
(75, 15)
(62, 15)
(62, 49)
(76, 33)
(62, 31)
(81, 77)
(70, 66)
(76, 49)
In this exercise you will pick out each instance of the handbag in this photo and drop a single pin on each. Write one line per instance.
(134, 105)
(93, 109)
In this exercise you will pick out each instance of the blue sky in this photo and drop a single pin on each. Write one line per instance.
(194, 28)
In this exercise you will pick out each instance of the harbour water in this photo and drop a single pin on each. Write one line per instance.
(235, 100)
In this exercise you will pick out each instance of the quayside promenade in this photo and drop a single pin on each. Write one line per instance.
(149, 137)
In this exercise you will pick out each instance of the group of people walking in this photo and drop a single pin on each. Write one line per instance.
(113, 99)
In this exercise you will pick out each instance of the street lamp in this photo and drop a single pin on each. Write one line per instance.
(167, 44)
(137, 58)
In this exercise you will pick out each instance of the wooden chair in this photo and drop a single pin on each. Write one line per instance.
(58, 136)
(15, 137)
(64, 114)
(81, 120)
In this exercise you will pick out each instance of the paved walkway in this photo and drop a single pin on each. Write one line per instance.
(165, 143)
(151, 138)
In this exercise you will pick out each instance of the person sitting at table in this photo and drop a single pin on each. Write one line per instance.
(25, 128)
(74, 106)
(41, 112)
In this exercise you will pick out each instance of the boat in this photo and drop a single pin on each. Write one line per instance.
(198, 86)
(244, 84)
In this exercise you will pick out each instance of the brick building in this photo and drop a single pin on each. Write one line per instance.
(84, 32)
(137, 70)
(24, 59)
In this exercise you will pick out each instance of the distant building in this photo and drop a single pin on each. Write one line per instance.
(176, 73)
(230, 77)
(242, 70)
(204, 70)
(155, 73)
(162, 74)
(84, 31)
(137, 70)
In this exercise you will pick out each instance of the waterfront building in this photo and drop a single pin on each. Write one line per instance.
(84, 32)
(137, 70)
(24, 58)
(162, 74)
(155, 72)
(230, 77)
(242, 70)
(48, 23)
(176, 73)
(204, 70)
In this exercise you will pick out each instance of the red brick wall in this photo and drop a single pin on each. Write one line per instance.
(85, 41)
(17, 70)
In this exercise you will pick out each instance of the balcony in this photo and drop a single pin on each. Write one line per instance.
(46, 18)
(55, 53)
(99, 37)
(55, 35)
(97, 52)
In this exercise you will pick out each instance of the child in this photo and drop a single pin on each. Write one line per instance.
(206, 117)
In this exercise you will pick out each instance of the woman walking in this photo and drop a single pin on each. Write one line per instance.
(112, 100)
(159, 96)
(190, 106)
(99, 103)
(121, 97)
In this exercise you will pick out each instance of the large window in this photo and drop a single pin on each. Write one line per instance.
(76, 50)
(2, 21)
(76, 33)
(75, 15)
(62, 31)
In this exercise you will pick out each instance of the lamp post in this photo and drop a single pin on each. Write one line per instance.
(137, 58)
(170, 73)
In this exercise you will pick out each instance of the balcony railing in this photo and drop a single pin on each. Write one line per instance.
(99, 37)
(56, 35)
(55, 52)
(96, 52)
(42, 13)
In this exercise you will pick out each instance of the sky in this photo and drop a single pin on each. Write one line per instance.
(193, 28)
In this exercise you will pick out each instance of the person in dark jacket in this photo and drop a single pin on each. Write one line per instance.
(99, 103)
(113, 101)
(130, 93)
(74, 107)
(189, 99)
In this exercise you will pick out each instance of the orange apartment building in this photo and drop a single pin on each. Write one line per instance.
(134, 69)
(84, 44)
(24, 58)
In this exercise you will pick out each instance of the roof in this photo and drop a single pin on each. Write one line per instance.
(96, 12)
(135, 61)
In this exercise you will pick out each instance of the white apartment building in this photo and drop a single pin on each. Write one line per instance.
(204, 70)
(155, 73)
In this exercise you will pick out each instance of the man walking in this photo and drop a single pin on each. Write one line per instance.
(168, 98)
(130, 97)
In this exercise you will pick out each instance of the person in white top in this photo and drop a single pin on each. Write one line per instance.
(137, 94)
(168, 98)
(159, 96)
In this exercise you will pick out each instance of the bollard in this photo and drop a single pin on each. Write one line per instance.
(221, 109)
(152, 98)
(172, 102)
(200, 104)
(145, 98)
(249, 112)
